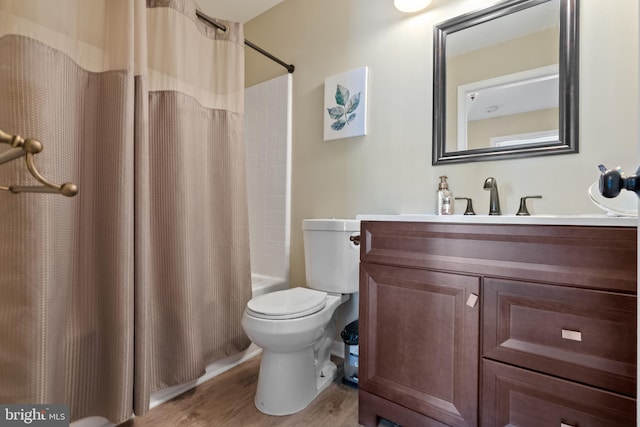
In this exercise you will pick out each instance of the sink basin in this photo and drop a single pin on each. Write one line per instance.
(588, 219)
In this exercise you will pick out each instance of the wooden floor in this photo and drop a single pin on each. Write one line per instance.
(227, 400)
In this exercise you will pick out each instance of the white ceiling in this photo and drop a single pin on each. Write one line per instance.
(236, 10)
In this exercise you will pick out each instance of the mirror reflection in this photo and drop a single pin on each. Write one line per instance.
(500, 77)
(514, 109)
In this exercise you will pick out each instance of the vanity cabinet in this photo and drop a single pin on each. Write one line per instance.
(467, 324)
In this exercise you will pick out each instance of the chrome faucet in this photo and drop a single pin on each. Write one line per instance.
(494, 201)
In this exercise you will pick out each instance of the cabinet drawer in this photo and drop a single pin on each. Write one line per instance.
(579, 334)
(584, 257)
(517, 397)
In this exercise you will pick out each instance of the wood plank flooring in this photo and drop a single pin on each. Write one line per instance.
(227, 401)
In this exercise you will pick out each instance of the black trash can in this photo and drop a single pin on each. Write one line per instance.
(350, 337)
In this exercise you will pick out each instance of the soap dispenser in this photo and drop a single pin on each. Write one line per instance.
(444, 201)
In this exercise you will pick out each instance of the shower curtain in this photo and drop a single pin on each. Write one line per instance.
(139, 281)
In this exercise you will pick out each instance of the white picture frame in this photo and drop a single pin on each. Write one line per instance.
(345, 104)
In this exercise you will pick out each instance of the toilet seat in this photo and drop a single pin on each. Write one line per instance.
(288, 304)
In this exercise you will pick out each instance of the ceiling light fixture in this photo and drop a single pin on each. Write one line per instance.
(411, 5)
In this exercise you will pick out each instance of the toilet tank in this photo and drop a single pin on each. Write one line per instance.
(331, 259)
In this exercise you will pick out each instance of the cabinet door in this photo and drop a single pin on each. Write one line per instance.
(419, 341)
(517, 397)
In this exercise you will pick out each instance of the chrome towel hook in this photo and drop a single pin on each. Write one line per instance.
(29, 148)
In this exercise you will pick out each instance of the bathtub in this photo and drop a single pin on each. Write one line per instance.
(260, 284)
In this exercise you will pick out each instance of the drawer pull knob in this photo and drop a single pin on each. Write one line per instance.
(568, 334)
(472, 300)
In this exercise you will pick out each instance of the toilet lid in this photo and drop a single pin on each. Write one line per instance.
(287, 304)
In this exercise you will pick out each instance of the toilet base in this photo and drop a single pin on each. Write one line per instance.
(287, 382)
(329, 373)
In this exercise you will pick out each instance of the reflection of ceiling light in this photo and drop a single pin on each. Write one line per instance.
(411, 5)
(491, 109)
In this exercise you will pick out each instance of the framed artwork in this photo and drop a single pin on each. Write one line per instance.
(345, 104)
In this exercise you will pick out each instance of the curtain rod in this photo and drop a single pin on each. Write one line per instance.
(290, 68)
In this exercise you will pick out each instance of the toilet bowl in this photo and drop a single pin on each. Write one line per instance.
(296, 327)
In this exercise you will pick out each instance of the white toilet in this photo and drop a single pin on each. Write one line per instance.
(296, 327)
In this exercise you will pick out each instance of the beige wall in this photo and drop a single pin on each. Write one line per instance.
(389, 170)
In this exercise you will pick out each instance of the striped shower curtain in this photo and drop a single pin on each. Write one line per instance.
(139, 281)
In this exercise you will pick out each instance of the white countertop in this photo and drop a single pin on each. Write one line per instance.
(585, 220)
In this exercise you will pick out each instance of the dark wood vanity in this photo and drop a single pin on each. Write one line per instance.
(486, 324)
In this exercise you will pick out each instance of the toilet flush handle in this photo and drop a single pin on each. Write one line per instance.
(355, 239)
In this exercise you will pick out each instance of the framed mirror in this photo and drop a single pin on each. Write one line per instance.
(505, 82)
